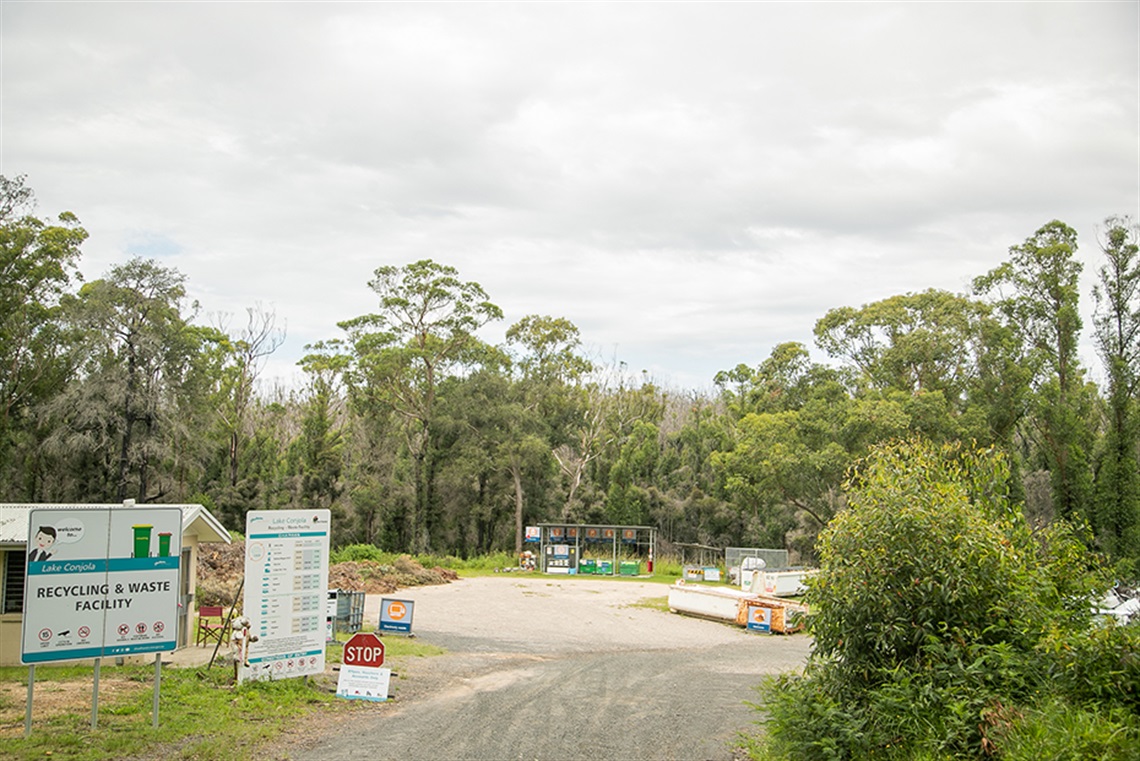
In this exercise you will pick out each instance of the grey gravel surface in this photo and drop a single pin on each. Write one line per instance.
(543, 668)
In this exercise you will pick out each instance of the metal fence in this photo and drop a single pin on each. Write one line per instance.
(349, 611)
(774, 560)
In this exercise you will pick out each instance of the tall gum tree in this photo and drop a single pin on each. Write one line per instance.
(1117, 337)
(246, 351)
(38, 261)
(425, 328)
(140, 348)
(550, 367)
(1037, 292)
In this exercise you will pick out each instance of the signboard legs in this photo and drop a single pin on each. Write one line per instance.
(28, 711)
(95, 696)
(157, 681)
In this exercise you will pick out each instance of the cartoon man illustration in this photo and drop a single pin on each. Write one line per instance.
(45, 538)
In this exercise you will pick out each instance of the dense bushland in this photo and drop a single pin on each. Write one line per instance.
(946, 627)
(422, 437)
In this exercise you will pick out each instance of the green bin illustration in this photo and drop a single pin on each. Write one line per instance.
(142, 539)
(164, 544)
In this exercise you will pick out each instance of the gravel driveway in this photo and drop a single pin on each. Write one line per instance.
(548, 668)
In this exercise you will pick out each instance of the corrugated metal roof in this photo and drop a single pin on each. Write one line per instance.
(196, 519)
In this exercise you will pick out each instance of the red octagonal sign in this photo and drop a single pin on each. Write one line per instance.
(363, 649)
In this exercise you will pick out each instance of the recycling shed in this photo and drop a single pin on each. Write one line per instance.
(198, 526)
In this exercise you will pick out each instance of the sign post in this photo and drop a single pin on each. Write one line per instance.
(396, 616)
(286, 592)
(100, 582)
(361, 674)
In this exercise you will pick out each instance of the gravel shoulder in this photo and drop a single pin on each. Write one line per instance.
(557, 668)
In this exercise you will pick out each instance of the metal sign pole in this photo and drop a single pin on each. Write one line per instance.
(157, 682)
(95, 696)
(28, 711)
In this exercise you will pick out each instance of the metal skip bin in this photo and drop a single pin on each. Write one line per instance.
(756, 612)
(721, 603)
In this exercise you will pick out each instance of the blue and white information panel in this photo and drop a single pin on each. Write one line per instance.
(286, 592)
(101, 582)
(396, 615)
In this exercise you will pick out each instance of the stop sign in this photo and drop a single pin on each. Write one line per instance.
(363, 649)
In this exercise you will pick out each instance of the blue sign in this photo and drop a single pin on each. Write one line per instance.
(396, 615)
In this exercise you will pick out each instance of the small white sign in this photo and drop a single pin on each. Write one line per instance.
(363, 683)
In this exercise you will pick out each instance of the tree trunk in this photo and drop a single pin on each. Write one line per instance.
(516, 476)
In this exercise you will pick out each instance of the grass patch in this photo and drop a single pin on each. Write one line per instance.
(202, 714)
(653, 603)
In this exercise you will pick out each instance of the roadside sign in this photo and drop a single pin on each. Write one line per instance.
(759, 619)
(286, 588)
(101, 582)
(361, 676)
(396, 615)
(363, 649)
(363, 683)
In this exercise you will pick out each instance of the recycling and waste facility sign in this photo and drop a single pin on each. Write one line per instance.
(101, 582)
(286, 592)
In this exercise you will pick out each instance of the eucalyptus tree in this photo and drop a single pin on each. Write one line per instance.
(246, 353)
(122, 410)
(612, 404)
(934, 353)
(548, 401)
(783, 467)
(318, 450)
(1037, 292)
(424, 331)
(38, 261)
(1117, 336)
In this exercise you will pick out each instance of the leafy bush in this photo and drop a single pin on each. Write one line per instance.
(357, 553)
(1058, 731)
(1099, 666)
(932, 604)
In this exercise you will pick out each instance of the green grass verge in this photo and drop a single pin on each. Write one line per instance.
(653, 603)
(202, 714)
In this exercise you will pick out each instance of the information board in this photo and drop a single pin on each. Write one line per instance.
(101, 582)
(396, 615)
(759, 619)
(286, 591)
(363, 683)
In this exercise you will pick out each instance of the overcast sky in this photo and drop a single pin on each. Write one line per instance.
(689, 183)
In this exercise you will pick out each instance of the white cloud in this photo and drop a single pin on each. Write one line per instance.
(689, 183)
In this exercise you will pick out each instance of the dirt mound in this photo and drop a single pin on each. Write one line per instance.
(221, 567)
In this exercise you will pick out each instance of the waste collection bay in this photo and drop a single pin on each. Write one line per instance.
(556, 668)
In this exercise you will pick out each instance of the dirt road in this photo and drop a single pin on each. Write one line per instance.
(560, 669)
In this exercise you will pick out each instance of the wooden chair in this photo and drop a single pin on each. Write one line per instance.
(212, 625)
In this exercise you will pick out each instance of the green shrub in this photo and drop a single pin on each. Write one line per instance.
(357, 553)
(932, 604)
(1059, 731)
(1097, 666)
